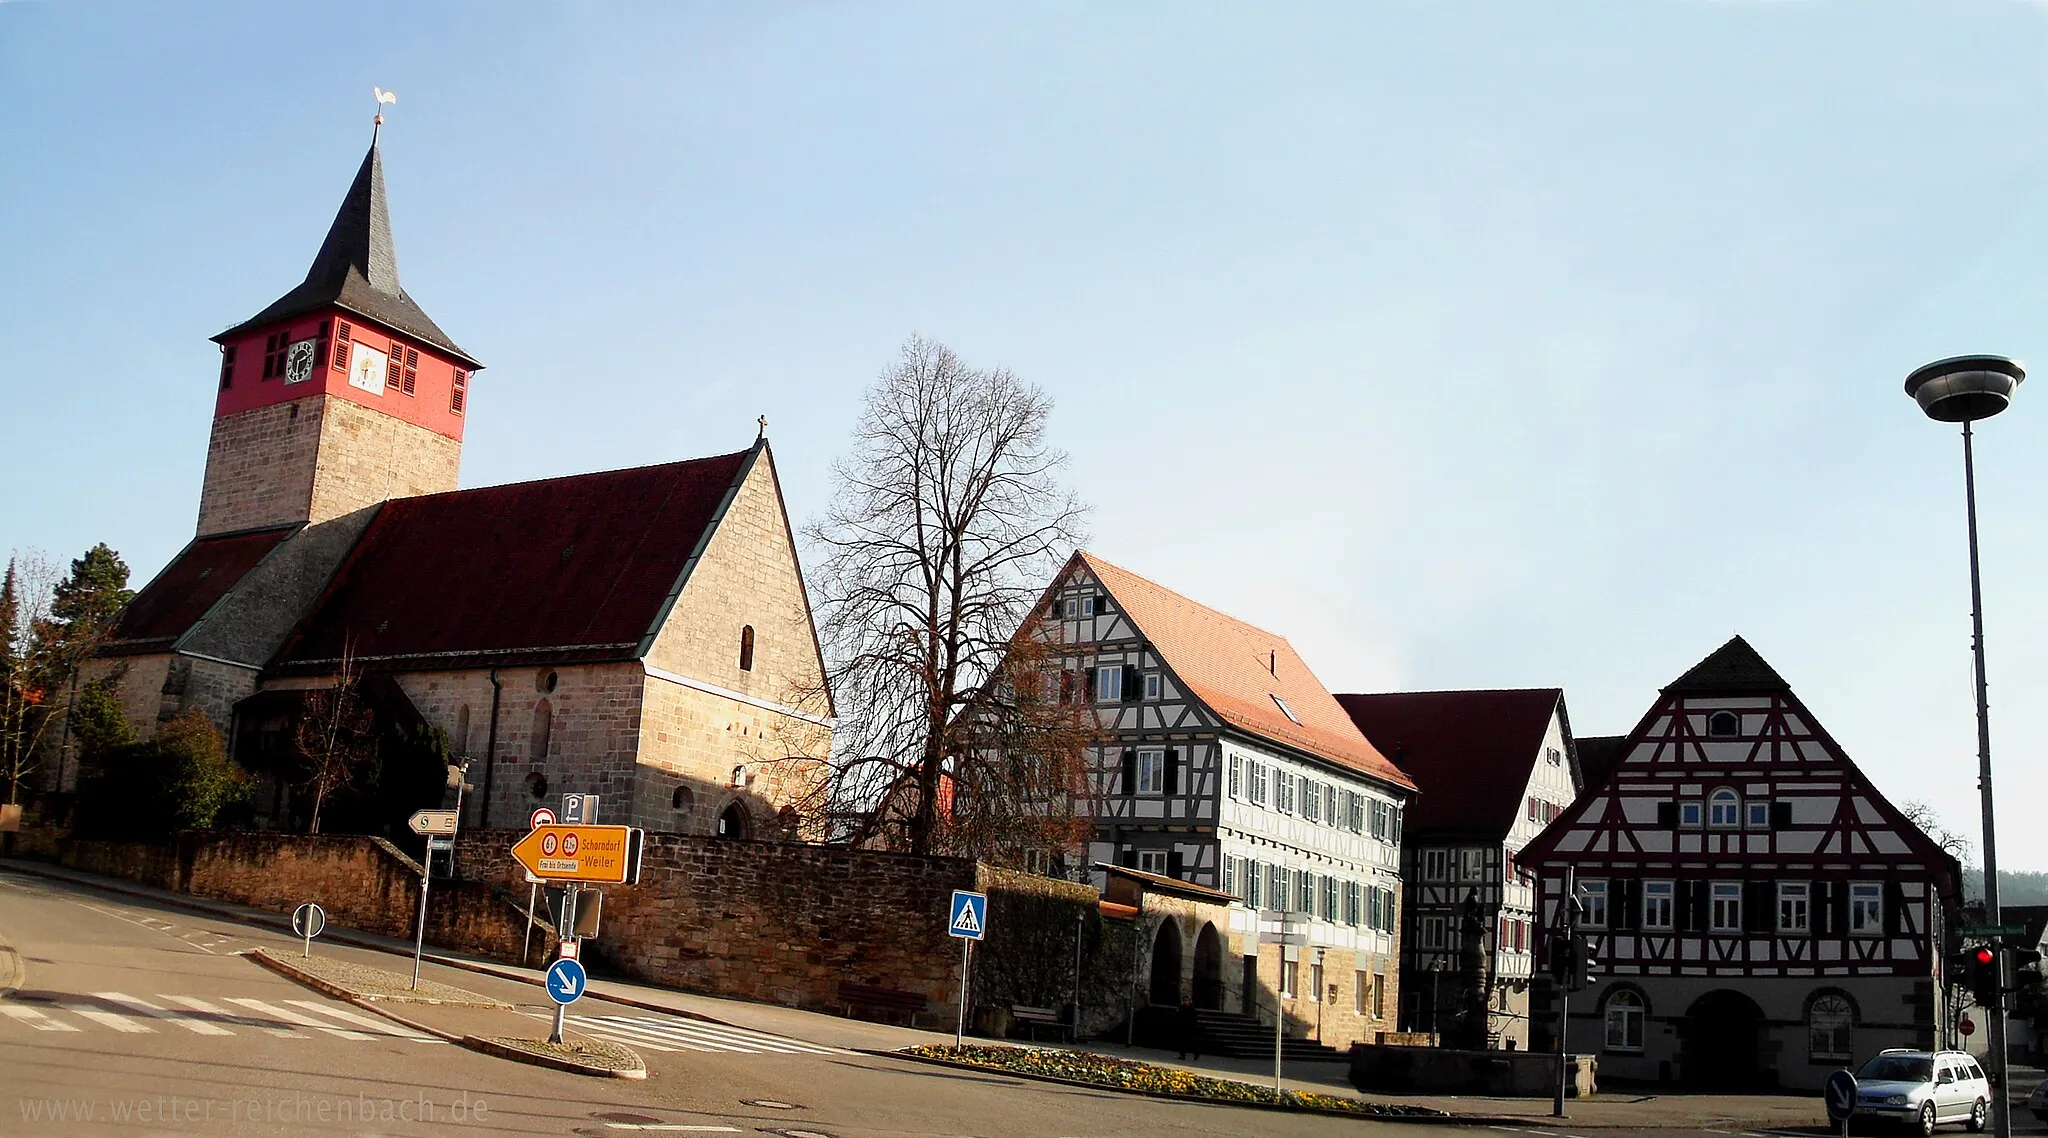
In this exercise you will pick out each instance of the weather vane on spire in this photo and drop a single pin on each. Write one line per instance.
(383, 97)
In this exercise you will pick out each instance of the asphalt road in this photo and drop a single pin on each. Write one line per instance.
(139, 1019)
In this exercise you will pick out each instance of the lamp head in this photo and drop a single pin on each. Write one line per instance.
(1964, 389)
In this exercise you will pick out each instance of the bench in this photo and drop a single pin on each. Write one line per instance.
(884, 1000)
(1023, 1013)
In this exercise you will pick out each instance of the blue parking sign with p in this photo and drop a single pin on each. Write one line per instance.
(970, 915)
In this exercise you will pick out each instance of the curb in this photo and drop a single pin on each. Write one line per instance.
(1444, 1119)
(472, 1042)
(493, 1047)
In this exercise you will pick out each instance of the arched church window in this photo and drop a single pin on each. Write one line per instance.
(1724, 808)
(1829, 1018)
(733, 823)
(543, 730)
(1624, 1013)
(747, 649)
(1724, 724)
(681, 800)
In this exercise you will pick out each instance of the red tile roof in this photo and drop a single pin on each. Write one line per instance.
(188, 587)
(1225, 662)
(1471, 752)
(561, 570)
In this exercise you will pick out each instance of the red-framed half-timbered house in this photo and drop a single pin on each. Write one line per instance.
(1758, 911)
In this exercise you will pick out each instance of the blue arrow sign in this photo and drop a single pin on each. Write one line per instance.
(969, 915)
(1841, 1095)
(566, 981)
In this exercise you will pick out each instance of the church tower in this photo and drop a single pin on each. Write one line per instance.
(339, 395)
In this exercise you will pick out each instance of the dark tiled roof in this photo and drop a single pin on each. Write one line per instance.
(188, 587)
(1471, 752)
(562, 570)
(1734, 667)
(357, 270)
(1597, 756)
(1240, 672)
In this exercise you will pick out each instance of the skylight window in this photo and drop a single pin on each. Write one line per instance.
(1286, 710)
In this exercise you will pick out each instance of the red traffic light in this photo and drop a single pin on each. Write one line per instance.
(1983, 954)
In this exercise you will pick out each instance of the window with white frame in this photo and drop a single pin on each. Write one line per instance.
(1277, 880)
(1311, 799)
(1286, 710)
(1283, 792)
(1471, 865)
(1330, 909)
(1377, 819)
(1724, 808)
(1624, 1014)
(1726, 914)
(1794, 907)
(1689, 813)
(1152, 861)
(1436, 932)
(1866, 909)
(1258, 773)
(1109, 683)
(1553, 756)
(1394, 831)
(1304, 897)
(1230, 876)
(1253, 883)
(1152, 685)
(1151, 771)
(1435, 865)
(1354, 811)
(1593, 903)
(1352, 908)
(1237, 776)
(1657, 897)
(1828, 1020)
(1757, 815)
(1073, 607)
(1329, 805)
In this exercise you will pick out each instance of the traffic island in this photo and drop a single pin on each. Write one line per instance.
(452, 1014)
(1088, 1069)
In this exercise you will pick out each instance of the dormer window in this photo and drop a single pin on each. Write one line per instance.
(1724, 725)
(1286, 710)
(1724, 808)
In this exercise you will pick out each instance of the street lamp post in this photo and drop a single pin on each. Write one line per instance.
(1964, 389)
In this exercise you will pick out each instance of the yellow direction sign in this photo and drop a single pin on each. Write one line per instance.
(597, 855)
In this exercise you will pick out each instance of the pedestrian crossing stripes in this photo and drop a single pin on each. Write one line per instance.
(135, 1015)
(675, 1034)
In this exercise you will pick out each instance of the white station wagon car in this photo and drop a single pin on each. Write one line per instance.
(1923, 1089)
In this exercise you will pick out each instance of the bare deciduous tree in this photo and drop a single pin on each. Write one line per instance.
(948, 520)
(335, 736)
(1923, 816)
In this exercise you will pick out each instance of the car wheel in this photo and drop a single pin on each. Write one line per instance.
(1978, 1114)
(1926, 1119)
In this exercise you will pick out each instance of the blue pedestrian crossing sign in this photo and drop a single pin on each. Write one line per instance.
(566, 981)
(970, 915)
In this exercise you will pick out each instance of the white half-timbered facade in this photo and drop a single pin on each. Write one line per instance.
(1494, 767)
(1759, 912)
(1222, 761)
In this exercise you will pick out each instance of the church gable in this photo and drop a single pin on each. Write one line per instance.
(741, 620)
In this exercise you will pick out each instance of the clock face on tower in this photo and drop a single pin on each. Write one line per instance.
(298, 361)
(366, 368)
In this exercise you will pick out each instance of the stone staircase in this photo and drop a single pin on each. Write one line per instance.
(1242, 1037)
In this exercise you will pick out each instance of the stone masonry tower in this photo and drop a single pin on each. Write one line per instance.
(339, 395)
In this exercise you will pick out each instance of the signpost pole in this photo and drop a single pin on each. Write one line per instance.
(532, 899)
(1279, 1010)
(569, 935)
(419, 943)
(960, 1029)
(1080, 932)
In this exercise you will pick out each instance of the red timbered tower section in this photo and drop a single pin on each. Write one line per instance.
(339, 395)
(1737, 867)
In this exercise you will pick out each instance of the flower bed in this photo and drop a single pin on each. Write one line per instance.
(1147, 1078)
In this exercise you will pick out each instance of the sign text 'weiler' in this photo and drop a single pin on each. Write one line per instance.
(597, 855)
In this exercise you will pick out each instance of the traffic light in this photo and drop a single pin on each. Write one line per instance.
(1981, 965)
(1571, 962)
(2023, 959)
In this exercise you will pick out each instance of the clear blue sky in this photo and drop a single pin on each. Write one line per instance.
(1464, 344)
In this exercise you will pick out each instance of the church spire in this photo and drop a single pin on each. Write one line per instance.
(356, 269)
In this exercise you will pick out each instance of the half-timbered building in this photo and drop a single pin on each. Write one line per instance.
(1495, 767)
(1759, 912)
(1222, 761)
